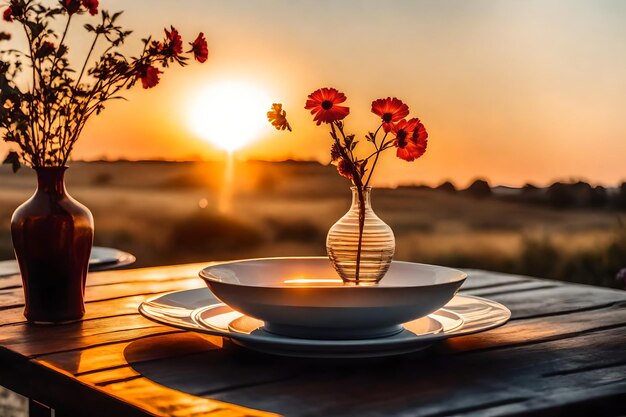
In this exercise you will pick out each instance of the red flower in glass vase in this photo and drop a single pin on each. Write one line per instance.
(407, 148)
(344, 168)
(149, 76)
(200, 48)
(390, 110)
(92, 6)
(323, 103)
(420, 139)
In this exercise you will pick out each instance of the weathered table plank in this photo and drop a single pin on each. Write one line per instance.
(564, 349)
(447, 384)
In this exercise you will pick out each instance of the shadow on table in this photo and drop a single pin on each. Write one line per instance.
(213, 368)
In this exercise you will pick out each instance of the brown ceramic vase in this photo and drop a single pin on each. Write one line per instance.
(52, 236)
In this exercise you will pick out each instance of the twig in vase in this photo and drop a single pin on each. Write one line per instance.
(45, 119)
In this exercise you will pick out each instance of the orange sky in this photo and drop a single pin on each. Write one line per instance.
(514, 91)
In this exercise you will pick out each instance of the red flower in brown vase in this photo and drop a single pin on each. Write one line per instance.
(7, 15)
(46, 49)
(72, 6)
(91, 6)
(174, 44)
(149, 76)
(200, 48)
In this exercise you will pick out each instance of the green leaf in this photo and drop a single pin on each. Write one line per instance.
(13, 158)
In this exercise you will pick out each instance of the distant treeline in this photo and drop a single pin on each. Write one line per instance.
(559, 195)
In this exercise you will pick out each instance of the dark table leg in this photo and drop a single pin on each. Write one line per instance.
(36, 409)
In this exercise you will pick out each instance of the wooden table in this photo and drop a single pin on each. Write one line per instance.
(563, 353)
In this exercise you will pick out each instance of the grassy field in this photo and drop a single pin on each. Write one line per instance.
(166, 213)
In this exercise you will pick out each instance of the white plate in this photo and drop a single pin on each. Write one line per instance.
(304, 297)
(199, 311)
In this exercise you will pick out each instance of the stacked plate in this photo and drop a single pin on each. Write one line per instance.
(299, 307)
(101, 259)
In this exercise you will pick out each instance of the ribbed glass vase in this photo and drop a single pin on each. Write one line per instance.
(377, 243)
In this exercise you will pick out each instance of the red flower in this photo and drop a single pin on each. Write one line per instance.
(200, 48)
(149, 76)
(92, 6)
(46, 49)
(323, 104)
(408, 148)
(344, 168)
(175, 42)
(335, 152)
(391, 110)
(8, 14)
(420, 138)
(72, 6)
(155, 47)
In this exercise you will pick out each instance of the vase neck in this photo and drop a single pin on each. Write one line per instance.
(51, 179)
(367, 197)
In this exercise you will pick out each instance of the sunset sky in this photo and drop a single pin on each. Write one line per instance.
(513, 91)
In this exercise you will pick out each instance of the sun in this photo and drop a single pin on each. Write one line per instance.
(229, 114)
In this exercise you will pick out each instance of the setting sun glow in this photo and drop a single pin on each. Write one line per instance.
(229, 114)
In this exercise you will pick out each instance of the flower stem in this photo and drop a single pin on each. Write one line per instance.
(358, 183)
(35, 137)
(378, 151)
(82, 71)
(361, 227)
(56, 54)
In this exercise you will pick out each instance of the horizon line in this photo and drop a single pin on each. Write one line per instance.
(571, 180)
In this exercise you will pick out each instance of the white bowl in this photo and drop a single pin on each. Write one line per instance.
(304, 297)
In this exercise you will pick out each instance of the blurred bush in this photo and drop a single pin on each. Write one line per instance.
(599, 197)
(479, 189)
(620, 198)
(102, 179)
(538, 258)
(597, 266)
(560, 195)
(267, 182)
(300, 230)
(189, 181)
(542, 258)
(207, 234)
(6, 245)
(446, 187)
(457, 259)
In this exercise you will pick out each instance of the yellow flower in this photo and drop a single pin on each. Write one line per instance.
(278, 117)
